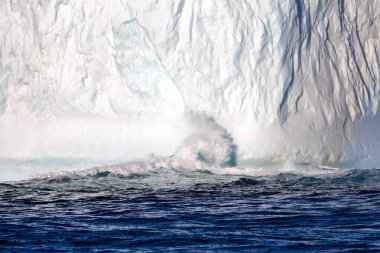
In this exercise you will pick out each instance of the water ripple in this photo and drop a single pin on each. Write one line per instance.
(206, 213)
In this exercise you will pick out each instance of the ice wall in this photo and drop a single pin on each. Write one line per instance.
(289, 80)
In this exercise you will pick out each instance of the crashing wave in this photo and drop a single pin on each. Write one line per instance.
(209, 148)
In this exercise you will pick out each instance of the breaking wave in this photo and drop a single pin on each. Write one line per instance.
(209, 148)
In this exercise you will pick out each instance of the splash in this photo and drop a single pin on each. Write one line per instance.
(209, 148)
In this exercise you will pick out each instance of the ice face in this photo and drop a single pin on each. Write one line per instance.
(109, 81)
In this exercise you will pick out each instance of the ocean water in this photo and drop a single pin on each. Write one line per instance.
(193, 211)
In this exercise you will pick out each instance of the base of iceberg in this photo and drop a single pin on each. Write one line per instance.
(86, 84)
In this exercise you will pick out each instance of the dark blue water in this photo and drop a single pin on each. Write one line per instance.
(198, 212)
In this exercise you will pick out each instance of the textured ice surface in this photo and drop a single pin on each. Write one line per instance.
(109, 81)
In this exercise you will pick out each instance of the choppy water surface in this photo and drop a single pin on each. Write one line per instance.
(193, 211)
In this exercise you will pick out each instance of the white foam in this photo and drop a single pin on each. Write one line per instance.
(208, 148)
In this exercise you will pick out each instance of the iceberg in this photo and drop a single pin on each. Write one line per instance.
(93, 83)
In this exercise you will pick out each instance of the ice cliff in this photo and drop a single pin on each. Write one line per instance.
(100, 82)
